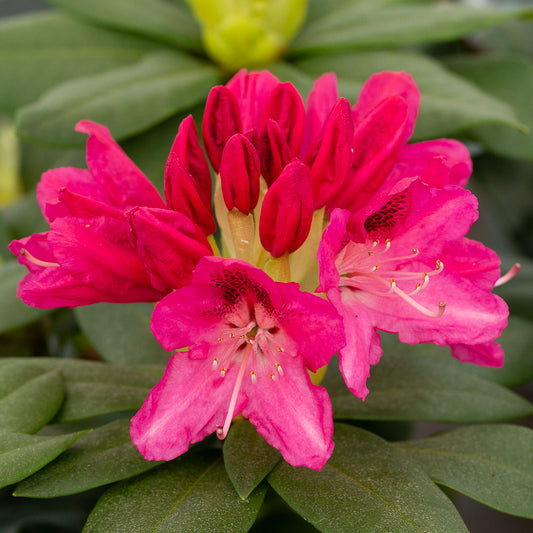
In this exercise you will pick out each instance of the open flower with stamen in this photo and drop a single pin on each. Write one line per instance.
(402, 264)
(112, 238)
(250, 342)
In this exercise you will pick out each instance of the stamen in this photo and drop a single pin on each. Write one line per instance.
(419, 307)
(223, 431)
(392, 286)
(36, 261)
(374, 268)
(253, 377)
(272, 377)
(279, 369)
(222, 372)
(439, 267)
(511, 273)
(215, 363)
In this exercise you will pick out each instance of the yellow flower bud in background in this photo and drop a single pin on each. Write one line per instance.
(247, 33)
(10, 186)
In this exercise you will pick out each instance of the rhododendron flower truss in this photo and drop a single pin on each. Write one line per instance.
(112, 238)
(250, 342)
(401, 264)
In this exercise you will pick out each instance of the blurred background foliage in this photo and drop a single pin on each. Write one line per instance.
(140, 66)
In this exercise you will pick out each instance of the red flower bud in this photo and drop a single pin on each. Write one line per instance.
(275, 152)
(239, 174)
(222, 119)
(287, 211)
(329, 157)
(286, 107)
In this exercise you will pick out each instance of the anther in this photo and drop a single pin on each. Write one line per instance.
(392, 286)
(253, 377)
(272, 377)
(374, 268)
(215, 363)
(220, 339)
(280, 349)
(439, 266)
(222, 372)
(279, 369)
(87, 225)
(416, 251)
(232, 335)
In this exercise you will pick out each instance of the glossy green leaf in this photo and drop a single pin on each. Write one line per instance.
(21, 455)
(355, 26)
(248, 457)
(491, 464)
(29, 396)
(509, 79)
(422, 384)
(449, 103)
(39, 51)
(160, 19)
(93, 389)
(190, 494)
(367, 485)
(102, 456)
(121, 334)
(128, 100)
(13, 311)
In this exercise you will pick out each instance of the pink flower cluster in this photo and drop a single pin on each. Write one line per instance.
(293, 182)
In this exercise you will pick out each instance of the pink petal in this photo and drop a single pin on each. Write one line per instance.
(293, 415)
(100, 254)
(485, 354)
(381, 86)
(126, 186)
(287, 211)
(363, 343)
(169, 245)
(320, 102)
(323, 332)
(187, 404)
(438, 163)
(239, 174)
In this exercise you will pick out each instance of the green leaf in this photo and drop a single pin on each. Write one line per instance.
(491, 464)
(128, 100)
(29, 396)
(508, 79)
(93, 389)
(355, 26)
(423, 383)
(13, 311)
(121, 334)
(103, 456)
(187, 495)
(39, 51)
(159, 19)
(448, 103)
(21, 455)
(248, 457)
(367, 485)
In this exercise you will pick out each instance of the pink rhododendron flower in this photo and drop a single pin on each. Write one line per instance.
(111, 236)
(401, 264)
(250, 341)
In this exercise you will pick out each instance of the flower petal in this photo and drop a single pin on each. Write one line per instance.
(189, 403)
(293, 415)
(485, 354)
(126, 186)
